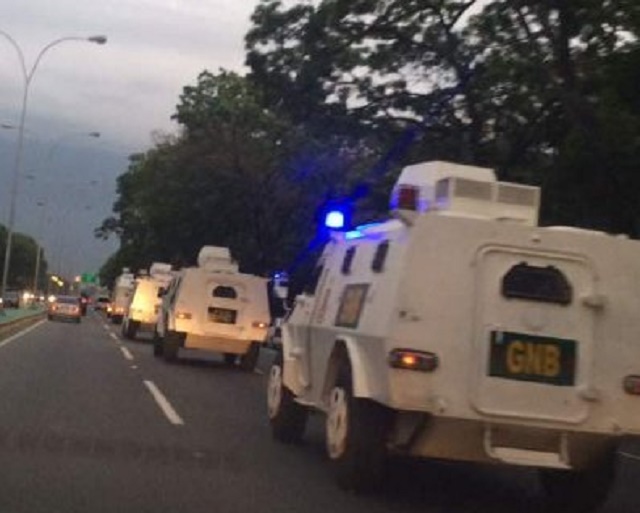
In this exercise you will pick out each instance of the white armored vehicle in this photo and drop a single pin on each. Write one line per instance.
(214, 307)
(461, 330)
(143, 309)
(121, 297)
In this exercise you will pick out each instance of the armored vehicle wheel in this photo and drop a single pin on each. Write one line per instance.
(356, 431)
(249, 359)
(288, 419)
(157, 344)
(130, 329)
(582, 491)
(230, 358)
(171, 346)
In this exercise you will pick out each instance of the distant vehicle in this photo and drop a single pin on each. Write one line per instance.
(459, 329)
(278, 293)
(214, 307)
(101, 303)
(11, 299)
(64, 308)
(84, 303)
(122, 292)
(142, 312)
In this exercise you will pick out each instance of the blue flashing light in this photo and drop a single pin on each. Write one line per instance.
(361, 231)
(353, 234)
(334, 219)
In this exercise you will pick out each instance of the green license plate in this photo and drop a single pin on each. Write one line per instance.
(532, 358)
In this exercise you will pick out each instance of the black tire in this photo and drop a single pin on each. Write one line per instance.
(249, 360)
(50, 317)
(157, 344)
(581, 491)
(358, 455)
(171, 346)
(130, 329)
(116, 319)
(230, 358)
(287, 418)
(78, 320)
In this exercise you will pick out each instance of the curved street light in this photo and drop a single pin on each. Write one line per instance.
(27, 76)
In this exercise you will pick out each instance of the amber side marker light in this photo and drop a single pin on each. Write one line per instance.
(258, 324)
(183, 315)
(631, 385)
(413, 360)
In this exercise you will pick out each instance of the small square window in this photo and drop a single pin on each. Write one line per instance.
(348, 260)
(380, 257)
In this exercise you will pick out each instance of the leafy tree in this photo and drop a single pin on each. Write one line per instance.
(23, 260)
(535, 89)
(239, 175)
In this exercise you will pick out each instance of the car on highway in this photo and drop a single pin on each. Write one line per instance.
(11, 299)
(122, 294)
(145, 304)
(84, 304)
(459, 329)
(101, 303)
(64, 308)
(214, 307)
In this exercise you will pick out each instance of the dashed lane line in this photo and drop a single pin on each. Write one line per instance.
(126, 353)
(164, 404)
(21, 333)
(113, 336)
(630, 456)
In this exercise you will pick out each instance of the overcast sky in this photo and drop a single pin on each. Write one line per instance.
(126, 90)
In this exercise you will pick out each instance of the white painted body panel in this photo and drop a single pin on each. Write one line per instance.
(122, 292)
(188, 308)
(440, 292)
(145, 303)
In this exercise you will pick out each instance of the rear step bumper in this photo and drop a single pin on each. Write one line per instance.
(476, 440)
(529, 457)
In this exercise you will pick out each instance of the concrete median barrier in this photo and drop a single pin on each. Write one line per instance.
(14, 320)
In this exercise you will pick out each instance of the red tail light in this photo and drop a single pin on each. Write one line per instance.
(413, 360)
(408, 197)
(631, 385)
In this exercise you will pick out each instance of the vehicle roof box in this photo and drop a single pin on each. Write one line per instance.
(216, 258)
(125, 280)
(469, 191)
(158, 268)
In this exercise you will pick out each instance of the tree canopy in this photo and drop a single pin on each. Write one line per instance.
(341, 93)
(23, 260)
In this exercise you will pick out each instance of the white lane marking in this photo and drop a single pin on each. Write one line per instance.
(127, 354)
(21, 333)
(259, 372)
(113, 336)
(134, 367)
(634, 457)
(164, 404)
(106, 327)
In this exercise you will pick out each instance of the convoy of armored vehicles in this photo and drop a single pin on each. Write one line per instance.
(457, 329)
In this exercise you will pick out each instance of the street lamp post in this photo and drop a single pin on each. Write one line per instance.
(39, 248)
(27, 76)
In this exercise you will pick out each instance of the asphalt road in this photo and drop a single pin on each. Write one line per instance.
(82, 431)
